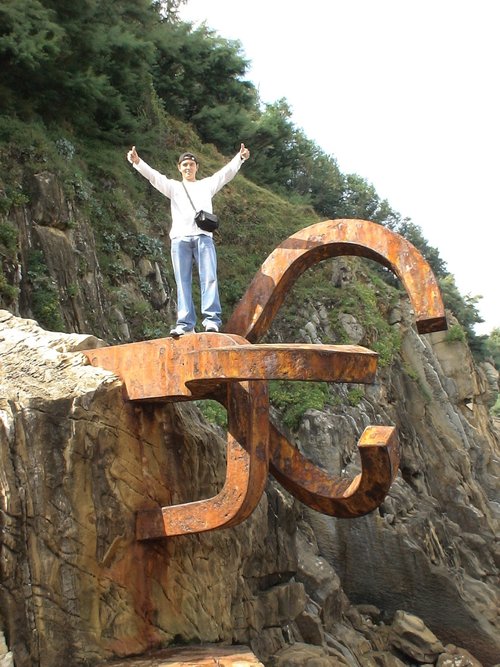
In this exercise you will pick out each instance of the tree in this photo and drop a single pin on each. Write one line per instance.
(463, 307)
(29, 36)
(493, 347)
(200, 78)
(362, 201)
(30, 40)
(316, 177)
(275, 157)
(169, 8)
(85, 62)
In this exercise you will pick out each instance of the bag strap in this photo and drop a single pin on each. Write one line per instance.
(191, 201)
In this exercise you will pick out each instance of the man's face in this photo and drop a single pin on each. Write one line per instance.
(188, 169)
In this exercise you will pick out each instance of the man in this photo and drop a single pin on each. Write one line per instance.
(188, 241)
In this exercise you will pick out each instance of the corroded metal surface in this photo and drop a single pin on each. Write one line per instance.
(339, 496)
(231, 371)
(246, 472)
(228, 368)
(334, 238)
(196, 366)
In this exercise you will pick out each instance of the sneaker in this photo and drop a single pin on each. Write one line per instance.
(212, 328)
(178, 331)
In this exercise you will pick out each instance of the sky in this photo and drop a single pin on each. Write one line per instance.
(403, 93)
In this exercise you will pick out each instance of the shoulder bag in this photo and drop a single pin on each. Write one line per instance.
(209, 222)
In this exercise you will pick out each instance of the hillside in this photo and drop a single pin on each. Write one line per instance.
(110, 229)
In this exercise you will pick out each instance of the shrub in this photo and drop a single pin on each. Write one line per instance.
(293, 399)
(455, 333)
(45, 298)
(354, 396)
(213, 412)
(8, 239)
(8, 293)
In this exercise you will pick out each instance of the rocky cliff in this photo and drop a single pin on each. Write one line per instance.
(413, 582)
(407, 584)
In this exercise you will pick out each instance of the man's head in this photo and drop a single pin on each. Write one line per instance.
(187, 164)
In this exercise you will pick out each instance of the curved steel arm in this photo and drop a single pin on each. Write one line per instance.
(338, 496)
(333, 495)
(246, 473)
(253, 315)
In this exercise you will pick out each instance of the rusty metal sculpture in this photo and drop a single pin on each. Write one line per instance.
(232, 369)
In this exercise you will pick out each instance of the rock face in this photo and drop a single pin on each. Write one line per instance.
(433, 540)
(415, 582)
(57, 272)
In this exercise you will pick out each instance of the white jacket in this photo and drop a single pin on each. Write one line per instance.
(201, 193)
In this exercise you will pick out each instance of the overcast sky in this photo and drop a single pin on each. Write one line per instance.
(403, 93)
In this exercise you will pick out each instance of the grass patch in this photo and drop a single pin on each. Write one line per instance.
(44, 294)
(293, 399)
(410, 372)
(455, 334)
(355, 396)
(213, 412)
(370, 306)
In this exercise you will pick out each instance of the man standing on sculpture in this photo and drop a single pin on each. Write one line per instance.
(188, 241)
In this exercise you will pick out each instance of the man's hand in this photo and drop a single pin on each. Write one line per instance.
(244, 152)
(132, 156)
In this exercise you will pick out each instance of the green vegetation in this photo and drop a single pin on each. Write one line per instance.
(410, 372)
(455, 333)
(8, 293)
(213, 412)
(355, 396)
(8, 239)
(492, 346)
(45, 298)
(12, 197)
(370, 302)
(495, 410)
(464, 307)
(8, 249)
(293, 399)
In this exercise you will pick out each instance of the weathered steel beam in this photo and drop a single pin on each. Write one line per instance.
(255, 312)
(197, 365)
(246, 473)
(339, 496)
